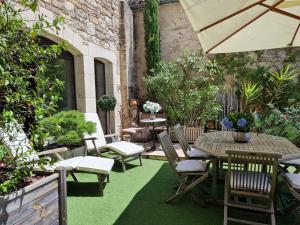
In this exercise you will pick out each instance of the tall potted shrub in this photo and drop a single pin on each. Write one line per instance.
(26, 95)
(107, 103)
(152, 34)
(187, 89)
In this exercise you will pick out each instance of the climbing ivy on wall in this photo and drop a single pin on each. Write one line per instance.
(152, 36)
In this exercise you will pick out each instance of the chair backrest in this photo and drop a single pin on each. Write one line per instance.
(169, 149)
(99, 135)
(15, 139)
(253, 173)
(181, 138)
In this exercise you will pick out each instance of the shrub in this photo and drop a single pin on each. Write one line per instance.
(284, 123)
(66, 128)
(239, 122)
(107, 103)
(187, 89)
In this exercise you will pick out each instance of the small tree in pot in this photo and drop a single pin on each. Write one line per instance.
(107, 103)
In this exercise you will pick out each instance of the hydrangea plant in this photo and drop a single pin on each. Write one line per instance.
(240, 122)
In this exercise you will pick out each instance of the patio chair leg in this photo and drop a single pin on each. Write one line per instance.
(74, 177)
(273, 221)
(107, 178)
(140, 157)
(184, 189)
(123, 164)
(100, 180)
(225, 214)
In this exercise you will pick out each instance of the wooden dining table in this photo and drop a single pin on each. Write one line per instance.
(217, 143)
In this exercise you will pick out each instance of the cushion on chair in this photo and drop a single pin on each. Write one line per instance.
(195, 153)
(125, 148)
(250, 180)
(95, 164)
(191, 166)
(294, 180)
(87, 164)
(293, 162)
(69, 164)
(99, 135)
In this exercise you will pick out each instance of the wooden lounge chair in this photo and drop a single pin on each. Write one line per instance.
(188, 151)
(125, 151)
(17, 142)
(190, 173)
(251, 177)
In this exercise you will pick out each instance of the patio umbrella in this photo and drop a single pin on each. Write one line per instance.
(244, 25)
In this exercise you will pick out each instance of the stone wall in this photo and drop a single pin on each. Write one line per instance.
(91, 29)
(176, 36)
(95, 21)
(126, 58)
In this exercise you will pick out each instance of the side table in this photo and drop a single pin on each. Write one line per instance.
(152, 123)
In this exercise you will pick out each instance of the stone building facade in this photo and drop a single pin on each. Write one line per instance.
(91, 32)
(112, 32)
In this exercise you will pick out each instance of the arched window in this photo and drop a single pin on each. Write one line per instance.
(63, 69)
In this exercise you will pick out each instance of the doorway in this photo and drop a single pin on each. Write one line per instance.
(100, 83)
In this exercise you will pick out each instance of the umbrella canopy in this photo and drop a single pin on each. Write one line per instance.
(244, 25)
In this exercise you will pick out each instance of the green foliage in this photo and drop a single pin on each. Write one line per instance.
(284, 123)
(260, 86)
(107, 103)
(15, 170)
(152, 34)
(187, 88)
(66, 128)
(24, 87)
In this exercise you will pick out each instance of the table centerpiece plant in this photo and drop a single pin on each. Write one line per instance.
(152, 107)
(241, 124)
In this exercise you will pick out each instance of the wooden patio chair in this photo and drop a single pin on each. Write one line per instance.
(292, 181)
(188, 151)
(125, 151)
(291, 163)
(190, 173)
(250, 184)
(18, 144)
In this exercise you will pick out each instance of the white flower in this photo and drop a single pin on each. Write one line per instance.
(153, 107)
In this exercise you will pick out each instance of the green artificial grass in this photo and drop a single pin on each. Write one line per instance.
(137, 198)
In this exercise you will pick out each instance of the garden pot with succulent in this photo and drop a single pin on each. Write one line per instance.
(241, 125)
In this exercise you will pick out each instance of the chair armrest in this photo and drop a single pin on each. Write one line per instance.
(53, 151)
(111, 135)
(89, 138)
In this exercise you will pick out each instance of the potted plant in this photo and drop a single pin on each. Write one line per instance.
(241, 125)
(187, 89)
(152, 107)
(107, 103)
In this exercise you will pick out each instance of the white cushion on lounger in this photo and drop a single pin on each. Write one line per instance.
(250, 180)
(125, 148)
(293, 162)
(88, 164)
(191, 166)
(195, 153)
(294, 180)
(95, 164)
(69, 164)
